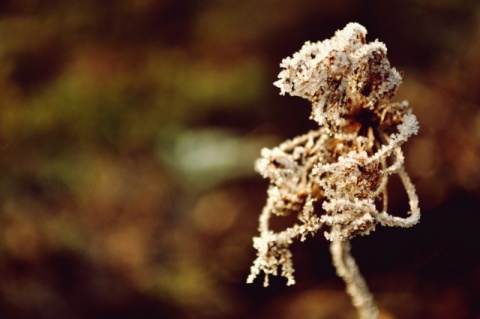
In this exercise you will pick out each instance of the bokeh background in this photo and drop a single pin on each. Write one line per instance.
(128, 131)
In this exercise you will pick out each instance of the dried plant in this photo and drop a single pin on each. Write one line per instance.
(336, 177)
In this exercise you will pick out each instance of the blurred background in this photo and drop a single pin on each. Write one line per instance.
(128, 132)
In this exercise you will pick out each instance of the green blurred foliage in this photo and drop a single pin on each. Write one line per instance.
(128, 131)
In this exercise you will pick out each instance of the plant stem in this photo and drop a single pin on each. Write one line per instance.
(347, 268)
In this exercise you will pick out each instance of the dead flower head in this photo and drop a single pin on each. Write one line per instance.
(335, 177)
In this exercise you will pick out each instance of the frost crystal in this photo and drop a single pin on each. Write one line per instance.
(335, 177)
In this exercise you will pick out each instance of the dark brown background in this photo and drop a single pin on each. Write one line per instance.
(128, 131)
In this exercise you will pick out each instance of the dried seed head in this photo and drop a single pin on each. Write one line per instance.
(340, 75)
(331, 177)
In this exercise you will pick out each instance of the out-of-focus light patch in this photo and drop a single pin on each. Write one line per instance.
(184, 284)
(204, 158)
(214, 212)
(476, 125)
(424, 160)
(206, 83)
(125, 250)
(24, 234)
(188, 88)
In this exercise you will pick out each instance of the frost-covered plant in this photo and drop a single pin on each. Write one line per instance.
(336, 177)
